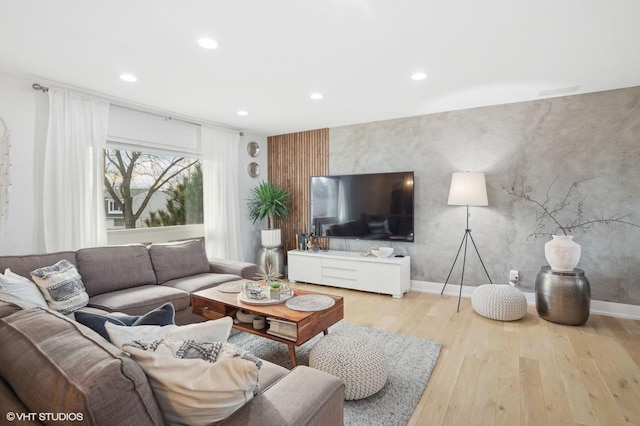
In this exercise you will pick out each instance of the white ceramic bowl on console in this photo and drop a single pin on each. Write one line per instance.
(382, 251)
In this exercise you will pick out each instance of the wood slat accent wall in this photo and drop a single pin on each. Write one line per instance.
(293, 158)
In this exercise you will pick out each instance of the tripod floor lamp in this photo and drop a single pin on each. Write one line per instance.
(467, 189)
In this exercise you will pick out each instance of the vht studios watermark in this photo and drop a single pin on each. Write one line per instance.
(44, 417)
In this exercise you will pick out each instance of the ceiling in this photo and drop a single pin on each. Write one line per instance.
(360, 54)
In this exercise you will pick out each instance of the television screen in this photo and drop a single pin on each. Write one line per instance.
(376, 206)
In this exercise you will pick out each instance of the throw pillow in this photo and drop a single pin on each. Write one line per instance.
(164, 315)
(208, 331)
(61, 286)
(197, 383)
(21, 287)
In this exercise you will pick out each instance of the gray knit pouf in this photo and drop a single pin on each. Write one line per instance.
(502, 302)
(355, 358)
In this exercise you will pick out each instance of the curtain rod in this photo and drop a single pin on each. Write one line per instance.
(44, 89)
(37, 86)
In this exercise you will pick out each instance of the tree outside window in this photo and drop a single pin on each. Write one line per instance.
(145, 189)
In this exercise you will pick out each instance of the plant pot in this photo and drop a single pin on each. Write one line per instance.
(271, 238)
(562, 253)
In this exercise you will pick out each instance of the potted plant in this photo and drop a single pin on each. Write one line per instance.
(269, 200)
(553, 219)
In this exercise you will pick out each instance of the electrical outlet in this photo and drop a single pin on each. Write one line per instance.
(514, 276)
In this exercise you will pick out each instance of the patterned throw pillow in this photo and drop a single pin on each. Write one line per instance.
(208, 331)
(221, 378)
(61, 286)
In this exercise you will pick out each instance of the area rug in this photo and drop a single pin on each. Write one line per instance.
(411, 361)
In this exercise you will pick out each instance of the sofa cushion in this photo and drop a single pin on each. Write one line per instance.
(23, 265)
(221, 378)
(163, 315)
(77, 371)
(21, 287)
(200, 282)
(177, 260)
(105, 269)
(140, 300)
(61, 286)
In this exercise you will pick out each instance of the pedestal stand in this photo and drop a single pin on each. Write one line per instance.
(563, 297)
(271, 255)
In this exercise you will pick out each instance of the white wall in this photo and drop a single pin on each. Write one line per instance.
(26, 113)
(23, 109)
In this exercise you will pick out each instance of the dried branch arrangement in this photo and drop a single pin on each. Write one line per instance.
(552, 217)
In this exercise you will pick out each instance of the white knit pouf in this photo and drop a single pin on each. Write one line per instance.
(353, 357)
(502, 302)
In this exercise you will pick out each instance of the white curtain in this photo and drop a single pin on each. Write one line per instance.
(220, 168)
(73, 201)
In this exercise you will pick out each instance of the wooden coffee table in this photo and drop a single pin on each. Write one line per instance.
(214, 304)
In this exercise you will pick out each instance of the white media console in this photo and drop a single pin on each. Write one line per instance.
(351, 270)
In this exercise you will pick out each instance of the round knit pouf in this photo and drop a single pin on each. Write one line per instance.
(502, 302)
(355, 358)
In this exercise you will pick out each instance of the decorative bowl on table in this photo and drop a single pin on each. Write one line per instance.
(253, 290)
(382, 251)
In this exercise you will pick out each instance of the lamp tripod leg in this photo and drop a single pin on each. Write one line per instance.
(467, 233)
(465, 240)
(479, 257)
(464, 237)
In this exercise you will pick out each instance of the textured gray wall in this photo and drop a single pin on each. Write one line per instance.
(563, 139)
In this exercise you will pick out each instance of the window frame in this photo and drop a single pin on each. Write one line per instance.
(158, 234)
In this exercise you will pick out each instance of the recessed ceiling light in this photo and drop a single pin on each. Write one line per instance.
(243, 113)
(418, 76)
(316, 96)
(208, 43)
(130, 78)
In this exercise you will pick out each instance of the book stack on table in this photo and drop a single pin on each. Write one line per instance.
(281, 328)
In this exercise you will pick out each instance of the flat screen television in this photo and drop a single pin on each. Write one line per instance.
(374, 206)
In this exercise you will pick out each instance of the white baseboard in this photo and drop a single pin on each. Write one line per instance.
(600, 307)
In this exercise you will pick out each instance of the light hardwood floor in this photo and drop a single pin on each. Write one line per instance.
(527, 372)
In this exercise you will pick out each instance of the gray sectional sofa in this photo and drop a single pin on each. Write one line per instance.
(135, 279)
(49, 363)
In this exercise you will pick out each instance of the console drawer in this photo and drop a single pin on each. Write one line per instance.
(339, 264)
(340, 282)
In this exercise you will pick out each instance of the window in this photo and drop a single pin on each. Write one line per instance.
(147, 190)
(113, 208)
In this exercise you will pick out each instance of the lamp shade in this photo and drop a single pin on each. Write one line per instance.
(468, 189)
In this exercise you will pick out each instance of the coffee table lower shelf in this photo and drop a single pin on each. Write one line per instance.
(213, 304)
